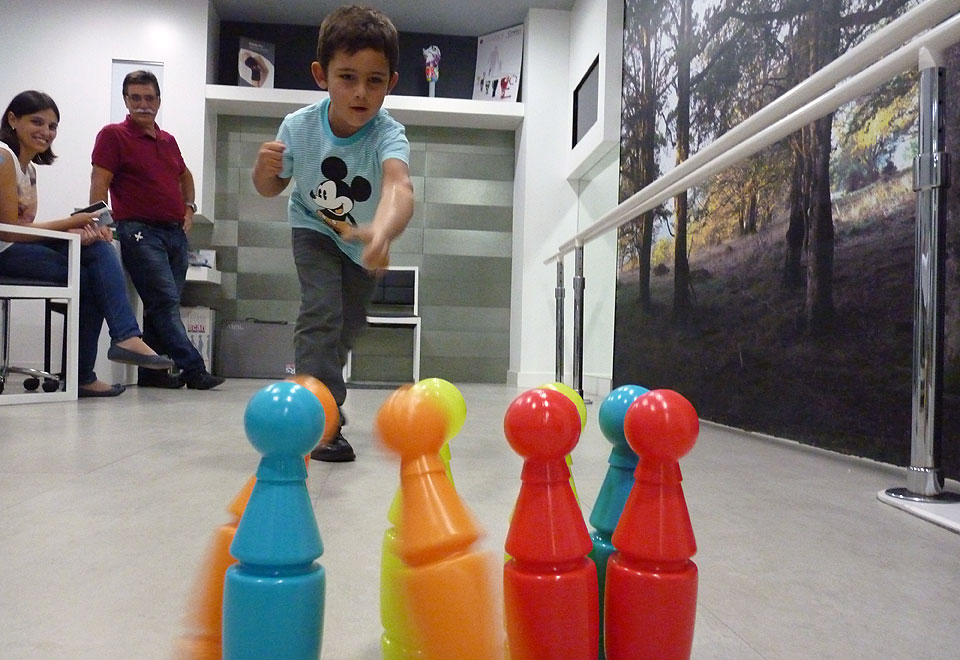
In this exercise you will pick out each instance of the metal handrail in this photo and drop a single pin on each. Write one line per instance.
(815, 97)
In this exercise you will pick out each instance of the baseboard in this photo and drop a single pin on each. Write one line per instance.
(595, 385)
(373, 385)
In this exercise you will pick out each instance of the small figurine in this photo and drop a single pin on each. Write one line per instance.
(432, 69)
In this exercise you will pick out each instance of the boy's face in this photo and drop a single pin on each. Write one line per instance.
(357, 84)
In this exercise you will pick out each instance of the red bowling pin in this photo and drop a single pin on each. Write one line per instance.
(651, 589)
(550, 586)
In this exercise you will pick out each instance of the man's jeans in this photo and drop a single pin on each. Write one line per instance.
(103, 291)
(155, 256)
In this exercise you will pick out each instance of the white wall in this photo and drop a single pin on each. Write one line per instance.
(548, 209)
(544, 202)
(66, 50)
(68, 54)
(596, 32)
(598, 192)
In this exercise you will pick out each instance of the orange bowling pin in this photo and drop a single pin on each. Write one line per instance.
(450, 588)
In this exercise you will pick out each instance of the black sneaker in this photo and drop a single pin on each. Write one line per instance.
(203, 381)
(338, 450)
(161, 379)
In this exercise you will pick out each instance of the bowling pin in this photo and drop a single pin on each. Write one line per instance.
(273, 598)
(617, 483)
(449, 584)
(549, 584)
(651, 587)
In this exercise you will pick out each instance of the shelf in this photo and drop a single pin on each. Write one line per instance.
(408, 110)
(203, 275)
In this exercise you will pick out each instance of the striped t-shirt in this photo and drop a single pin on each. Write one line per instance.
(337, 180)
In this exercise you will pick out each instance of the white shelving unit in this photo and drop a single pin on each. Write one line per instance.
(203, 275)
(409, 110)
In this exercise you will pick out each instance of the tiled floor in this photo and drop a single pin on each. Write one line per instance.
(107, 506)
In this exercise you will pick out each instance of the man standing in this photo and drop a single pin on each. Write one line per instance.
(152, 197)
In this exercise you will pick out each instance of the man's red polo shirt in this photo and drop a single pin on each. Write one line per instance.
(146, 172)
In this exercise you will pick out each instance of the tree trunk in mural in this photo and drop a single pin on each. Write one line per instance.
(681, 266)
(796, 229)
(819, 306)
(800, 142)
(648, 165)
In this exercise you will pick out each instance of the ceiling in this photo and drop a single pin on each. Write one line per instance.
(451, 17)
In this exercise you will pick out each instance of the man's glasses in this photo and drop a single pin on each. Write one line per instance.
(136, 98)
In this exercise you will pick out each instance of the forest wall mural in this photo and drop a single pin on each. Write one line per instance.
(778, 295)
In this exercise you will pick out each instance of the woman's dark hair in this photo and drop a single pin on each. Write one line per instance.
(27, 103)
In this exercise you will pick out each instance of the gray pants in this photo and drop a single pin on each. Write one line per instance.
(334, 292)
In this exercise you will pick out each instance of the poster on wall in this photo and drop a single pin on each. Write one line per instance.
(788, 308)
(499, 57)
(118, 110)
(255, 63)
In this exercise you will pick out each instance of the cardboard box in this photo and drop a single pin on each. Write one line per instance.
(200, 323)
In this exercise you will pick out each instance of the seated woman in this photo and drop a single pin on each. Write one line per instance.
(27, 129)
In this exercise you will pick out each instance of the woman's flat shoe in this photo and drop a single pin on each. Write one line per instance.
(124, 356)
(115, 390)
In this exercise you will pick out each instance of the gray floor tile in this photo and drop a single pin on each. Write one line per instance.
(107, 507)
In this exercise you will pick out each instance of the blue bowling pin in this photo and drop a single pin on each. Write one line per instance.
(273, 599)
(617, 483)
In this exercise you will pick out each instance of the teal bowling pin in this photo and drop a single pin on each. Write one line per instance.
(616, 484)
(273, 598)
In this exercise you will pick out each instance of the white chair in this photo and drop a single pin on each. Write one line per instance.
(70, 294)
(396, 302)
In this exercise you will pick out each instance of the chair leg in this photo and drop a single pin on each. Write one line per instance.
(46, 334)
(5, 336)
(51, 382)
(63, 351)
(52, 307)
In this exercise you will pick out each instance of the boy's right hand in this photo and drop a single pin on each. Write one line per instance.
(270, 158)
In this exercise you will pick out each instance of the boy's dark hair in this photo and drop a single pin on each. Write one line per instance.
(141, 78)
(27, 103)
(353, 28)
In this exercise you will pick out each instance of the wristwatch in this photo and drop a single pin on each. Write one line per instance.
(191, 205)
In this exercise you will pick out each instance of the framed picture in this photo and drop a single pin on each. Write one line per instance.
(255, 63)
(499, 58)
(586, 100)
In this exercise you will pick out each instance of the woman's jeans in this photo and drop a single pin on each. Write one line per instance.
(103, 291)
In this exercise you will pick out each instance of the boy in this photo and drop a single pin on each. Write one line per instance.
(352, 194)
